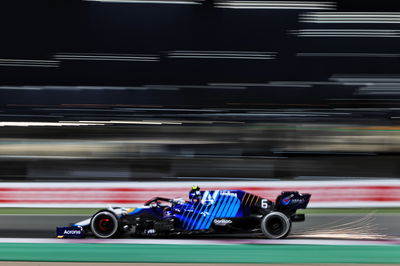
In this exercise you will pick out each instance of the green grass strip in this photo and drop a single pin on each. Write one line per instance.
(389, 254)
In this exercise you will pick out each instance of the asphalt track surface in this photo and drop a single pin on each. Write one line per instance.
(316, 226)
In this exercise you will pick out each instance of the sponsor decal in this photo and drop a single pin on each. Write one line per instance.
(151, 231)
(286, 201)
(222, 222)
(298, 201)
(228, 193)
(209, 198)
(289, 199)
(72, 232)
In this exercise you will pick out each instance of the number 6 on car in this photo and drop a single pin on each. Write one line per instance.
(264, 203)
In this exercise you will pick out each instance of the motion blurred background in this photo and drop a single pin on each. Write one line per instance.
(117, 101)
(104, 90)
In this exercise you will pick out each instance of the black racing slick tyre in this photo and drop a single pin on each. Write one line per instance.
(276, 225)
(105, 224)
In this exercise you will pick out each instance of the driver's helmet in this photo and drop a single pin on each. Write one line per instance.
(194, 194)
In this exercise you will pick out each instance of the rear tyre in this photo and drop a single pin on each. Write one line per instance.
(276, 225)
(105, 224)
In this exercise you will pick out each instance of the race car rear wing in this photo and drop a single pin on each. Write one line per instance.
(292, 200)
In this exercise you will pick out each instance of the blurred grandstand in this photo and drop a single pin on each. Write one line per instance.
(203, 90)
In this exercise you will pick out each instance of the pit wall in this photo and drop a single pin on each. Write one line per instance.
(325, 194)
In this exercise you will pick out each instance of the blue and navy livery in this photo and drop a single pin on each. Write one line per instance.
(214, 204)
(212, 211)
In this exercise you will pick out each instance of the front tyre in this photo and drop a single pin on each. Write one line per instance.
(276, 225)
(105, 224)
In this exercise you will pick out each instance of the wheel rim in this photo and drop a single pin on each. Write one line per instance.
(104, 224)
(275, 226)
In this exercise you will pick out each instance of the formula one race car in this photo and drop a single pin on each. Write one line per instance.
(226, 211)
